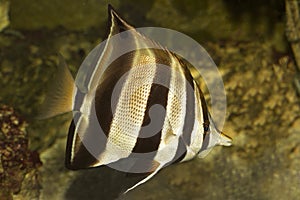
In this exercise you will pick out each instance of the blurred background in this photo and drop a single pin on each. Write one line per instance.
(248, 40)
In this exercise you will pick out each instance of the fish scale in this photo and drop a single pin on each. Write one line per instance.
(125, 107)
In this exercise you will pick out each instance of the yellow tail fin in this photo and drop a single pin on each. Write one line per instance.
(59, 98)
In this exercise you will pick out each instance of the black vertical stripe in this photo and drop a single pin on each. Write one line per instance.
(113, 73)
(204, 109)
(158, 95)
(103, 101)
(190, 103)
(190, 116)
(180, 152)
(83, 159)
(205, 115)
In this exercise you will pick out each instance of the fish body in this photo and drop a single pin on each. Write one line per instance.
(143, 112)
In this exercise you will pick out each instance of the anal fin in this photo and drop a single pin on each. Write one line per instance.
(154, 168)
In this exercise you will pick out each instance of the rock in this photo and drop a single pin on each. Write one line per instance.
(19, 166)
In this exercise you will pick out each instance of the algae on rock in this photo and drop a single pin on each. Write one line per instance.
(19, 177)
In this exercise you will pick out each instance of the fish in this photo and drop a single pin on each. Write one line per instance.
(116, 100)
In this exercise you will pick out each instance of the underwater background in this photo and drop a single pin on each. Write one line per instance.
(248, 40)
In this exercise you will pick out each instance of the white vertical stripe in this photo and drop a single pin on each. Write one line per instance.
(198, 130)
(175, 114)
(130, 110)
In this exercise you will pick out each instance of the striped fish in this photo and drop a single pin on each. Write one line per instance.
(114, 109)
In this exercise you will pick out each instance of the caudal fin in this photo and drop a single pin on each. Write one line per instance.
(59, 98)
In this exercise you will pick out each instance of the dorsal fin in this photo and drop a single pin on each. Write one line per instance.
(116, 23)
